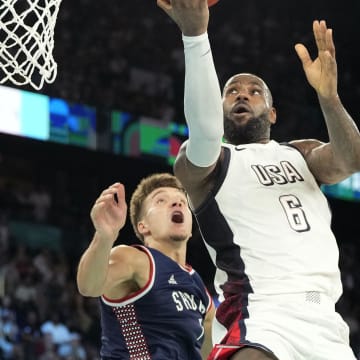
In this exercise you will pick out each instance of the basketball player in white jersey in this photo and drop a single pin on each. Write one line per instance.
(258, 203)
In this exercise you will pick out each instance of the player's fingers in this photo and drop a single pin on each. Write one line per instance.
(104, 198)
(328, 62)
(164, 4)
(303, 54)
(330, 42)
(319, 29)
(119, 194)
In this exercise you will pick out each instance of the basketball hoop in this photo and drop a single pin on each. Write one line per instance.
(27, 41)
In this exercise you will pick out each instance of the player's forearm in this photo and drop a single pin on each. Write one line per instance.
(207, 344)
(202, 102)
(206, 347)
(93, 267)
(343, 133)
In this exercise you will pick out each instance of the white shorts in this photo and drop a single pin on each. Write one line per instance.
(293, 327)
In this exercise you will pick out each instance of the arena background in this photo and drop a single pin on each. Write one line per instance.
(127, 58)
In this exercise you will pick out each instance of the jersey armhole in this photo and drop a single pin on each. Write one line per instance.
(141, 292)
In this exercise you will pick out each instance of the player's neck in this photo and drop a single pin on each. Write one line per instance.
(174, 250)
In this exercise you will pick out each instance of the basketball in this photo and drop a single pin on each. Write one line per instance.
(212, 2)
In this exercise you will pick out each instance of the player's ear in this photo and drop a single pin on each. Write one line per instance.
(142, 227)
(272, 116)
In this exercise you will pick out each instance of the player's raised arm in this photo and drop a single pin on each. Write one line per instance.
(332, 162)
(100, 259)
(202, 99)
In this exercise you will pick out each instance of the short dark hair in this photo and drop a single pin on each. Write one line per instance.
(146, 186)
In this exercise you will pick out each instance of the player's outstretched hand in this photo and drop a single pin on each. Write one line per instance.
(321, 73)
(191, 16)
(108, 214)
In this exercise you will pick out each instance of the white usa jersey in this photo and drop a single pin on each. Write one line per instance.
(267, 225)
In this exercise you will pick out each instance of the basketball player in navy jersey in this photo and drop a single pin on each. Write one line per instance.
(259, 205)
(153, 304)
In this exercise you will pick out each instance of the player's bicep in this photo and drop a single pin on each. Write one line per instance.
(326, 168)
(321, 161)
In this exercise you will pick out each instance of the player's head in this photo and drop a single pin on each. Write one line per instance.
(159, 208)
(248, 109)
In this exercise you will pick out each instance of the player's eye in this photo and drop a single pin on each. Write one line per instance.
(256, 92)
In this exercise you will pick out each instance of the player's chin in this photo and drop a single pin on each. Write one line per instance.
(241, 118)
(180, 237)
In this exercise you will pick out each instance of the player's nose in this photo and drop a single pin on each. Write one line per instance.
(242, 95)
(176, 202)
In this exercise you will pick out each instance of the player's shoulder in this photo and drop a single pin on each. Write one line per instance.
(125, 248)
(127, 253)
(305, 146)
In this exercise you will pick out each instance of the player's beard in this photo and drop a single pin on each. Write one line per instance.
(254, 130)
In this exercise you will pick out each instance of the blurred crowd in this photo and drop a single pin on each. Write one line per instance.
(42, 315)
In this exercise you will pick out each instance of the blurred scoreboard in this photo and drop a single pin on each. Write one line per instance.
(51, 119)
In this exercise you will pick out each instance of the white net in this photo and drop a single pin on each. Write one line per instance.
(27, 41)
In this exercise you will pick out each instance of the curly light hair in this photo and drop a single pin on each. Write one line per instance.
(146, 186)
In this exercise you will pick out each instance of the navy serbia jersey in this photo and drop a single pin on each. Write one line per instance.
(162, 321)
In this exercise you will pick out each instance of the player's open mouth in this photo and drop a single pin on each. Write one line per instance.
(177, 217)
(240, 109)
